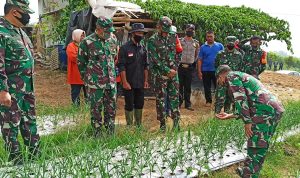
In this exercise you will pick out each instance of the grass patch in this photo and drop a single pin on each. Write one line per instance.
(45, 110)
(214, 133)
(278, 162)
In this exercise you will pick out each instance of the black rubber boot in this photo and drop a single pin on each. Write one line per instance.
(34, 153)
(163, 125)
(110, 129)
(16, 158)
(98, 132)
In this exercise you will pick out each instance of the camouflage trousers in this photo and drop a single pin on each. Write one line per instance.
(103, 104)
(162, 87)
(257, 147)
(222, 100)
(21, 115)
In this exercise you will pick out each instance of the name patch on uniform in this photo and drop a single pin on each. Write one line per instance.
(130, 54)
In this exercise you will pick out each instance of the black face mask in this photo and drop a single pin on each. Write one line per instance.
(230, 46)
(137, 38)
(24, 19)
(189, 33)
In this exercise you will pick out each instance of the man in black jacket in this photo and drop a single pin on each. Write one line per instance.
(133, 65)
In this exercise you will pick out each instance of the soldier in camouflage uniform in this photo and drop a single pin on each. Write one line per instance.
(258, 108)
(96, 56)
(255, 59)
(17, 100)
(161, 54)
(233, 58)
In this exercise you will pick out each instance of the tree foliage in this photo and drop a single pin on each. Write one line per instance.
(54, 26)
(290, 62)
(242, 22)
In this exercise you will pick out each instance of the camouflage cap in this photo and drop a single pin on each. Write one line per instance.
(105, 23)
(173, 29)
(166, 23)
(22, 4)
(221, 69)
(230, 39)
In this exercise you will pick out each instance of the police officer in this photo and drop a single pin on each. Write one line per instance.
(17, 100)
(259, 109)
(161, 54)
(133, 66)
(185, 70)
(96, 56)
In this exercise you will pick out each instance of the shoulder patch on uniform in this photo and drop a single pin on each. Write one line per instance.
(196, 41)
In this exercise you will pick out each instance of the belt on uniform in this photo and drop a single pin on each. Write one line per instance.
(185, 65)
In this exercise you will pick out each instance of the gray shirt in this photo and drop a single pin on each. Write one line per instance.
(190, 50)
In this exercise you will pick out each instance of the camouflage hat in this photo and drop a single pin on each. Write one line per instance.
(173, 29)
(230, 39)
(22, 4)
(105, 23)
(221, 69)
(166, 23)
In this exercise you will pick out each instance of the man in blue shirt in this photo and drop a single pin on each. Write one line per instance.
(206, 64)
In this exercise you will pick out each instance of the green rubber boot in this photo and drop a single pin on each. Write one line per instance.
(129, 117)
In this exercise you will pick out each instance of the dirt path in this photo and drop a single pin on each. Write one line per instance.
(52, 90)
(284, 86)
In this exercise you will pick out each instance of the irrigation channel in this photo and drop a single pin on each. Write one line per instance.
(183, 155)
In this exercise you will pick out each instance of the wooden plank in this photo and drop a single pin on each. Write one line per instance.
(122, 19)
(146, 29)
(119, 22)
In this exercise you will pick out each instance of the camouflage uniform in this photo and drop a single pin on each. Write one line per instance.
(161, 54)
(16, 77)
(256, 105)
(234, 60)
(97, 68)
(252, 62)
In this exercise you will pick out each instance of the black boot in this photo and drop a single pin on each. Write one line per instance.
(34, 153)
(98, 132)
(110, 129)
(163, 126)
(16, 158)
